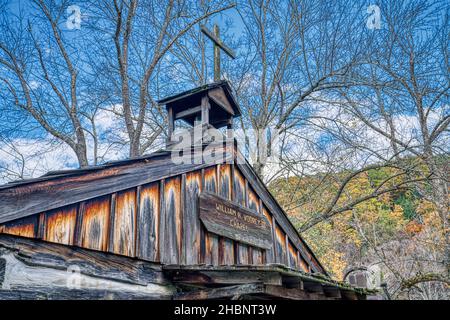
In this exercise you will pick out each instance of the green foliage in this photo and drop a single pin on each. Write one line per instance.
(408, 202)
(377, 176)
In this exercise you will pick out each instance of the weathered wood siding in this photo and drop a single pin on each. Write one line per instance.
(280, 245)
(191, 223)
(123, 223)
(209, 242)
(239, 194)
(270, 253)
(93, 224)
(59, 225)
(226, 246)
(26, 227)
(292, 255)
(257, 255)
(171, 222)
(159, 221)
(148, 222)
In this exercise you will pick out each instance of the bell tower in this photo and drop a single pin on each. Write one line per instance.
(210, 105)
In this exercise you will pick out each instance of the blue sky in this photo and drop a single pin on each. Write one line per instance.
(34, 140)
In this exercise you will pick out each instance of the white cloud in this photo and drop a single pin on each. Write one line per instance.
(28, 158)
(34, 85)
(358, 145)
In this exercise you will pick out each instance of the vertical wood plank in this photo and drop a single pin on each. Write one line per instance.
(148, 223)
(123, 224)
(203, 235)
(302, 266)
(253, 201)
(112, 213)
(42, 224)
(171, 125)
(280, 240)
(269, 253)
(276, 255)
(254, 205)
(286, 248)
(163, 255)
(95, 223)
(78, 224)
(226, 247)
(292, 255)
(173, 221)
(239, 187)
(191, 223)
(210, 241)
(59, 225)
(242, 255)
(182, 243)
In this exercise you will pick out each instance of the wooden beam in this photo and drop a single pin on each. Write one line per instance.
(314, 287)
(240, 274)
(222, 292)
(39, 253)
(285, 293)
(215, 277)
(332, 292)
(348, 295)
(51, 293)
(218, 42)
(188, 112)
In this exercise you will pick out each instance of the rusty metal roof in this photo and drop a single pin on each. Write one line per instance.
(79, 171)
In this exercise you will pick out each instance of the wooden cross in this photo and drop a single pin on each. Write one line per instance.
(218, 44)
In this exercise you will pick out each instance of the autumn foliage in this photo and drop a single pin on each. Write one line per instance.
(399, 231)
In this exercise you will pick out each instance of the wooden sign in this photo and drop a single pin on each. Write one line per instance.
(230, 220)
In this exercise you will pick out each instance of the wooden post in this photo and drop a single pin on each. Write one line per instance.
(230, 133)
(171, 124)
(205, 110)
(288, 257)
(276, 258)
(216, 55)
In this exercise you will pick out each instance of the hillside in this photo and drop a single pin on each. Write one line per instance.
(400, 232)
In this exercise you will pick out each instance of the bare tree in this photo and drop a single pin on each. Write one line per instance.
(391, 111)
(410, 76)
(40, 74)
(293, 51)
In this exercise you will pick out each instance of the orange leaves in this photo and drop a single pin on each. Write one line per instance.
(413, 227)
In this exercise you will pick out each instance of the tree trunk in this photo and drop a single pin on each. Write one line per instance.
(134, 147)
(81, 153)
